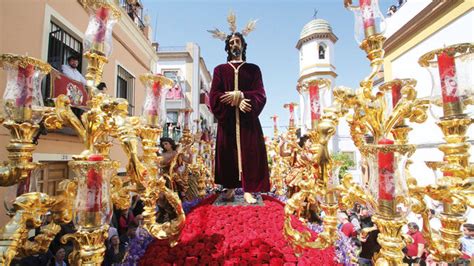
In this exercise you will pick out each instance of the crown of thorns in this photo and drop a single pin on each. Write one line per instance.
(231, 19)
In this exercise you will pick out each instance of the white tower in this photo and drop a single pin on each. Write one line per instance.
(316, 53)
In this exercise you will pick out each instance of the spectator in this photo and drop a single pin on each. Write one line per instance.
(401, 3)
(115, 252)
(112, 232)
(139, 220)
(467, 241)
(369, 244)
(357, 208)
(413, 218)
(137, 205)
(365, 218)
(125, 220)
(59, 256)
(414, 251)
(354, 218)
(346, 227)
(131, 233)
(391, 10)
(70, 69)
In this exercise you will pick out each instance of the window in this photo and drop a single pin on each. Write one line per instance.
(172, 74)
(61, 45)
(171, 130)
(322, 51)
(50, 177)
(125, 87)
(172, 117)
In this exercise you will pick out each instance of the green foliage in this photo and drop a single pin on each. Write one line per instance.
(345, 160)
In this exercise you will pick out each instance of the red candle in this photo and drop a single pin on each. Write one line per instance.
(94, 186)
(275, 126)
(314, 103)
(396, 93)
(25, 86)
(155, 94)
(102, 15)
(367, 14)
(447, 74)
(292, 114)
(386, 172)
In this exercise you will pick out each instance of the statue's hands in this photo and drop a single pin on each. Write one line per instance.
(232, 98)
(245, 106)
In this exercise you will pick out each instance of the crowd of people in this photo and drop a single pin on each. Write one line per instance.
(124, 226)
(357, 225)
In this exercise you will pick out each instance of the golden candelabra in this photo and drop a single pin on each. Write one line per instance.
(107, 118)
(278, 168)
(318, 184)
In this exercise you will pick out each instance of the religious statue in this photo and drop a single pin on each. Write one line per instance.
(237, 98)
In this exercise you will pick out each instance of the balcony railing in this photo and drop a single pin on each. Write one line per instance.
(134, 11)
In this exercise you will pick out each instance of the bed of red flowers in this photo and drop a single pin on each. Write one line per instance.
(239, 235)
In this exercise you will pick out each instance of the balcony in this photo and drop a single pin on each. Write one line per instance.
(134, 9)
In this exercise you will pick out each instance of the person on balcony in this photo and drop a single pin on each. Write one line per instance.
(70, 69)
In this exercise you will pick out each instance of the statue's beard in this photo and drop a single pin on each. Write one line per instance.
(235, 52)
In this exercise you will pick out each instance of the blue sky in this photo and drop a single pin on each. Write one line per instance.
(271, 45)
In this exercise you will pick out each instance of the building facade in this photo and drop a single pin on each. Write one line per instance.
(188, 69)
(415, 29)
(52, 31)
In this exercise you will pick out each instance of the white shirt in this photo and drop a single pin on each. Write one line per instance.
(72, 73)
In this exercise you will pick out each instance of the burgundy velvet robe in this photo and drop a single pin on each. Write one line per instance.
(254, 156)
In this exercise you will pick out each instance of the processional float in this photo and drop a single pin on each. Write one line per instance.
(383, 115)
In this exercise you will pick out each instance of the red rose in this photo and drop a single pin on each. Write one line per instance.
(246, 244)
(214, 263)
(290, 258)
(253, 261)
(256, 242)
(265, 248)
(191, 261)
(276, 262)
(255, 252)
(245, 256)
(264, 257)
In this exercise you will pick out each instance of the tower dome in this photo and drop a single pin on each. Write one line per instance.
(315, 26)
